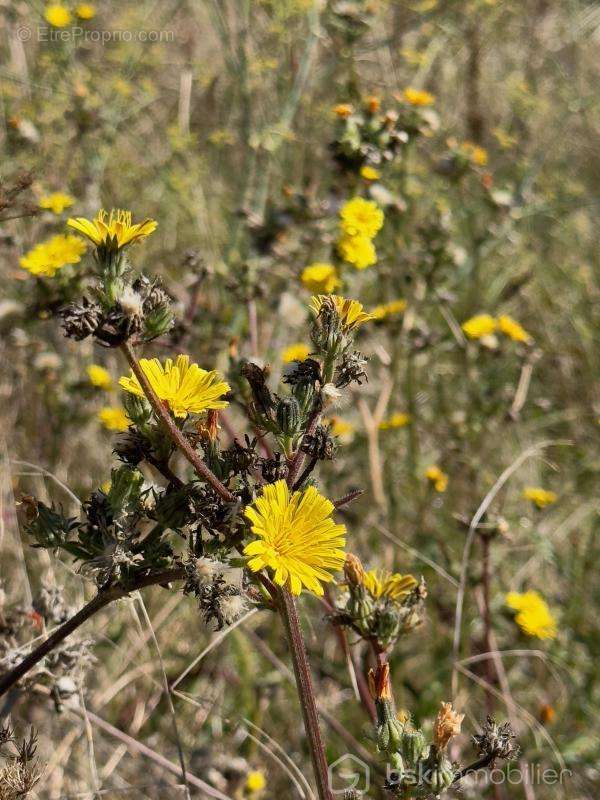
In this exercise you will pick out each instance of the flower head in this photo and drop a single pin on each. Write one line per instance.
(341, 428)
(539, 497)
(343, 110)
(85, 11)
(397, 420)
(115, 230)
(295, 352)
(56, 202)
(436, 477)
(369, 173)
(186, 388)
(382, 583)
(350, 312)
(447, 724)
(298, 539)
(511, 328)
(533, 615)
(418, 97)
(388, 309)
(255, 781)
(57, 15)
(320, 277)
(357, 250)
(114, 419)
(479, 326)
(48, 257)
(360, 217)
(99, 377)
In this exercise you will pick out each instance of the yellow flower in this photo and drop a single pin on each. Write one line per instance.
(85, 11)
(438, 478)
(295, 352)
(340, 427)
(350, 312)
(56, 202)
(397, 420)
(298, 540)
(99, 377)
(512, 329)
(533, 617)
(369, 173)
(343, 110)
(418, 97)
(539, 497)
(476, 154)
(320, 277)
(57, 15)
(382, 583)
(387, 309)
(48, 257)
(357, 250)
(114, 419)
(186, 388)
(479, 326)
(360, 217)
(114, 230)
(255, 781)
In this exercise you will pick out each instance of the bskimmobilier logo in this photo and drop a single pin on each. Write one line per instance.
(348, 772)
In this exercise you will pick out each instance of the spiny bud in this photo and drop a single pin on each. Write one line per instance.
(288, 416)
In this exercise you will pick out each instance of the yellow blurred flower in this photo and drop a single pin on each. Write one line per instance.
(475, 153)
(99, 377)
(343, 110)
(320, 277)
(512, 329)
(57, 15)
(85, 11)
(358, 251)
(369, 173)
(480, 325)
(114, 419)
(298, 540)
(255, 781)
(533, 617)
(48, 257)
(56, 202)
(418, 97)
(295, 352)
(539, 497)
(360, 217)
(387, 309)
(397, 420)
(504, 139)
(115, 230)
(437, 478)
(382, 583)
(350, 312)
(186, 388)
(341, 428)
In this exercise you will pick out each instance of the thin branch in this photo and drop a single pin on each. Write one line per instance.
(102, 599)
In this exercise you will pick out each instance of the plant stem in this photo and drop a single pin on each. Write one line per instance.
(176, 435)
(102, 599)
(306, 691)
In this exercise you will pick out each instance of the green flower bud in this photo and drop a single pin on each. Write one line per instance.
(125, 488)
(157, 322)
(288, 416)
(138, 409)
(411, 746)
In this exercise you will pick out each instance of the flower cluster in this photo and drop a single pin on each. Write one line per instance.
(360, 221)
(483, 326)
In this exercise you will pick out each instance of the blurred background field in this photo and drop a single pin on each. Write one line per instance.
(231, 122)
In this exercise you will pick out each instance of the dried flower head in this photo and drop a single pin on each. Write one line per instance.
(447, 724)
(496, 740)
